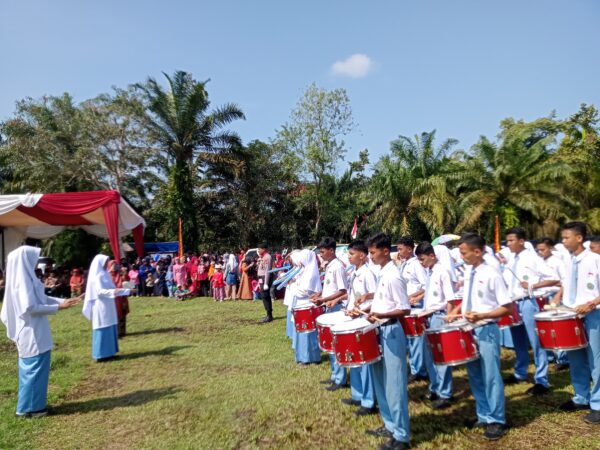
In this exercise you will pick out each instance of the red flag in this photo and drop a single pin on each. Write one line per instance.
(180, 238)
(497, 234)
(354, 231)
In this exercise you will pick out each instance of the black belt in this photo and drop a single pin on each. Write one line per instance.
(389, 322)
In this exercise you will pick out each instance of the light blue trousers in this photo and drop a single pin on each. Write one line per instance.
(338, 373)
(307, 348)
(585, 364)
(523, 336)
(362, 388)
(415, 352)
(389, 376)
(105, 342)
(33, 383)
(289, 325)
(485, 377)
(440, 377)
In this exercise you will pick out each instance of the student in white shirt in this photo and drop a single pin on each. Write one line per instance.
(25, 311)
(522, 273)
(335, 287)
(362, 281)
(390, 302)
(485, 297)
(99, 308)
(595, 244)
(581, 291)
(438, 291)
(415, 277)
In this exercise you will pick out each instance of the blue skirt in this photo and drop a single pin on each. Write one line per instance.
(307, 348)
(289, 325)
(105, 342)
(231, 278)
(33, 383)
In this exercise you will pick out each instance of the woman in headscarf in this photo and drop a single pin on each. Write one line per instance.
(99, 307)
(307, 283)
(179, 273)
(245, 290)
(121, 302)
(25, 314)
(231, 277)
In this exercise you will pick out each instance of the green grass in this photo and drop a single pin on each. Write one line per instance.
(197, 374)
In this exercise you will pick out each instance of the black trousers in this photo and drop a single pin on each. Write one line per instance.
(265, 294)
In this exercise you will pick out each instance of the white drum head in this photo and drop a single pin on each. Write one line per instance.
(302, 308)
(416, 311)
(332, 318)
(361, 324)
(554, 315)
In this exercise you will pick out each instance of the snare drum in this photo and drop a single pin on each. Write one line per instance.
(511, 320)
(356, 343)
(560, 330)
(324, 324)
(304, 317)
(456, 302)
(413, 325)
(452, 344)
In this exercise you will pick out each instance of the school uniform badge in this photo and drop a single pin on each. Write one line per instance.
(590, 286)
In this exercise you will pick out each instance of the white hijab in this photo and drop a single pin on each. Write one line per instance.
(442, 253)
(98, 279)
(309, 278)
(23, 289)
(231, 263)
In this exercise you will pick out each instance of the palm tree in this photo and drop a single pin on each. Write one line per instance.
(193, 139)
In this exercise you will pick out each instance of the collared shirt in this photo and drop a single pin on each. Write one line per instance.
(391, 291)
(35, 337)
(439, 288)
(362, 281)
(413, 274)
(263, 266)
(484, 290)
(556, 267)
(587, 279)
(526, 266)
(335, 278)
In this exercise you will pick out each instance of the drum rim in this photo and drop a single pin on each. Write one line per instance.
(514, 324)
(551, 317)
(447, 329)
(306, 331)
(359, 364)
(329, 325)
(303, 308)
(458, 363)
(366, 329)
(565, 348)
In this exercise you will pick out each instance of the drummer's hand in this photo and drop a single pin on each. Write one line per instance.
(585, 308)
(372, 317)
(473, 317)
(360, 300)
(524, 284)
(414, 300)
(449, 319)
(317, 301)
(330, 304)
(354, 313)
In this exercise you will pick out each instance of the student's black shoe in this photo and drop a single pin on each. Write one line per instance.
(393, 444)
(593, 417)
(474, 423)
(380, 432)
(511, 379)
(495, 431)
(571, 406)
(326, 382)
(415, 378)
(334, 387)
(432, 396)
(362, 411)
(538, 389)
(561, 367)
(267, 319)
(441, 403)
(351, 402)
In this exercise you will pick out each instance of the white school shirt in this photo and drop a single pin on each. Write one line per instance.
(556, 266)
(587, 277)
(526, 266)
(35, 337)
(391, 291)
(104, 311)
(362, 281)
(439, 288)
(414, 275)
(335, 279)
(485, 290)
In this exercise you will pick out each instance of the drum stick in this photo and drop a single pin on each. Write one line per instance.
(375, 318)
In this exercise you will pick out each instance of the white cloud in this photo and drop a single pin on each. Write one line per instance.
(355, 66)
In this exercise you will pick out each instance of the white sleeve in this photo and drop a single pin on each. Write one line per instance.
(112, 293)
(42, 310)
(499, 287)
(340, 279)
(370, 283)
(447, 288)
(397, 291)
(419, 274)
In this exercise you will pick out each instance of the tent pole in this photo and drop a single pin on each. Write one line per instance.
(3, 251)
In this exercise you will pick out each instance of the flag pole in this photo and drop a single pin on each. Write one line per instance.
(180, 238)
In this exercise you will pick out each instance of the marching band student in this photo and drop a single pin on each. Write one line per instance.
(335, 286)
(485, 297)
(390, 302)
(545, 247)
(307, 283)
(438, 290)
(415, 277)
(362, 281)
(595, 244)
(522, 272)
(581, 291)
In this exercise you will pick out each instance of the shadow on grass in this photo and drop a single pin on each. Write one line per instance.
(156, 331)
(107, 403)
(163, 352)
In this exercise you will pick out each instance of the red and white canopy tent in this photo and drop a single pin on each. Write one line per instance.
(102, 213)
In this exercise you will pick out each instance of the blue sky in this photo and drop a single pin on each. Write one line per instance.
(456, 66)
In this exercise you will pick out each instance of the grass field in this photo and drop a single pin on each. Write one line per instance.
(197, 375)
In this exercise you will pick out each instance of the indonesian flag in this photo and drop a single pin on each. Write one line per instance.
(354, 231)
(180, 238)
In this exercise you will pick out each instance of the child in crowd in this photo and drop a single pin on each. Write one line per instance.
(218, 283)
(181, 293)
(255, 290)
(149, 284)
(76, 282)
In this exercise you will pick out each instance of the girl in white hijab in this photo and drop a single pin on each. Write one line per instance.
(99, 307)
(25, 314)
(307, 283)
(231, 279)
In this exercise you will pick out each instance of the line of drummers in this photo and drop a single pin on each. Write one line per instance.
(445, 307)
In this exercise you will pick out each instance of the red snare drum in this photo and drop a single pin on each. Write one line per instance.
(413, 325)
(541, 300)
(452, 344)
(324, 324)
(456, 302)
(355, 343)
(304, 317)
(511, 320)
(560, 330)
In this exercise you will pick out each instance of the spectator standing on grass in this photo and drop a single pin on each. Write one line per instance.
(218, 283)
(121, 301)
(245, 290)
(144, 270)
(25, 311)
(76, 282)
(203, 283)
(179, 272)
(134, 277)
(231, 278)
